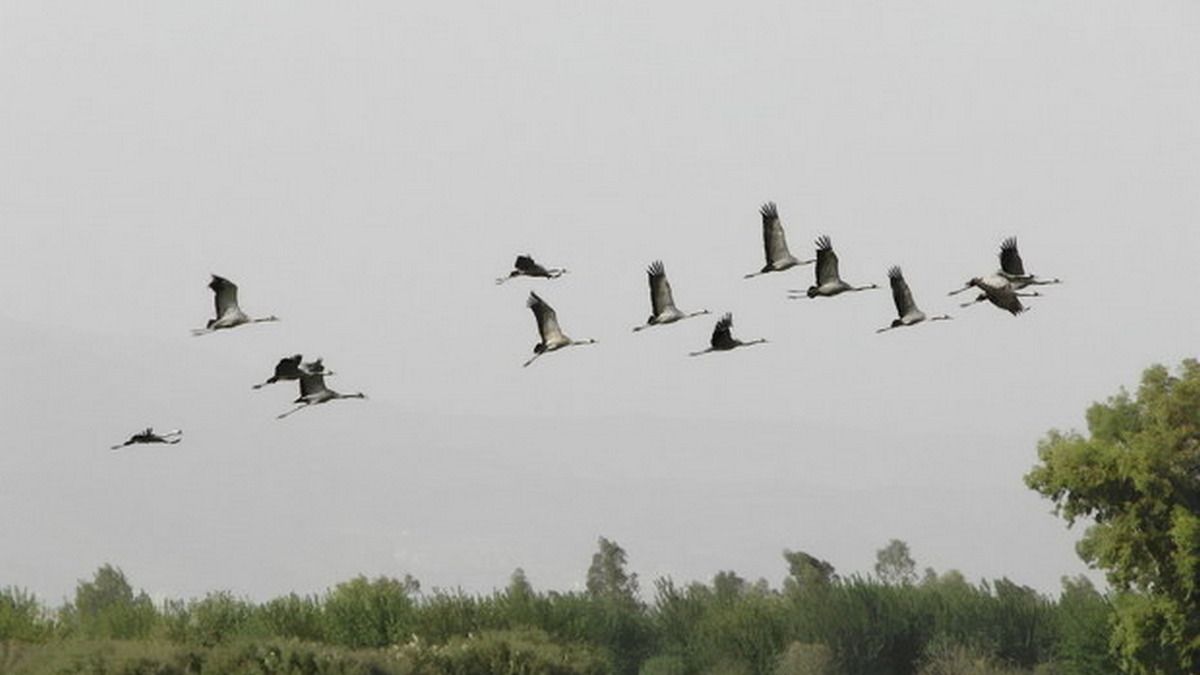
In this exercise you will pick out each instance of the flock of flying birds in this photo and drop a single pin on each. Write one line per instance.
(1003, 288)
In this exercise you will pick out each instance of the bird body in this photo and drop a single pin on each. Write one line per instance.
(722, 339)
(1012, 270)
(1001, 293)
(552, 337)
(147, 435)
(828, 282)
(524, 266)
(906, 308)
(662, 303)
(228, 313)
(775, 246)
(314, 392)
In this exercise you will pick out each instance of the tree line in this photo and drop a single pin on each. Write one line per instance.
(1133, 478)
(816, 622)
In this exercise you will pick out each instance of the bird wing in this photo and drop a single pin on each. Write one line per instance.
(721, 336)
(774, 242)
(1005, 298)
(525, 265)
(827, 261)
(224, 293)
(288, 366)
(900, 293)
(547, 319)
(660, 288)
(311, 383)
(1010, 258)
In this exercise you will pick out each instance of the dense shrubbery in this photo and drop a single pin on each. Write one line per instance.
(816, 622)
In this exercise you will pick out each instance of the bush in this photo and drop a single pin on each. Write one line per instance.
(947, 658)
(364, 613)
(22, 617)
(805, 658)
(217, 618)
(106, 607)
(519, 652)
(292, 616)
(663, 665)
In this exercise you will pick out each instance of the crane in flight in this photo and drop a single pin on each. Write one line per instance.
(722, 339)
(147, 435)
(229, 315)
(775, 244)
(291, 368)
(1012, 269)
(1000, 292)
(525, 266)
(829, 283)
(906, 308)
(552, 337)
(314, 392)
(662, 303)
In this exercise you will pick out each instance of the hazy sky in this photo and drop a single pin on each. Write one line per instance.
(365, 170)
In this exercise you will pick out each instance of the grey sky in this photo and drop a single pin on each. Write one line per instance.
(365, 170)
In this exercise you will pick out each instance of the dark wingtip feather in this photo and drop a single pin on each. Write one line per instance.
(895, 273)
(656, 269)
(725, 321)
(1009, 244)
(824, 243)
(768, 211)
(534, 300)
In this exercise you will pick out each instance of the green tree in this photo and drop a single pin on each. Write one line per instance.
(370, 613)
(1136, 476)
(894, 565)
(728, 586)
(1082, 619)
(607, 578)
(106, 607)
(807, 572)
(22, 616)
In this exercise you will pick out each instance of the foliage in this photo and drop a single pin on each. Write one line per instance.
(607, 578)
(894, 565)
(956, 659)
(664, 664)
(805, 658)
(523, 652)
(1082, 629)
(106, 607)
(293, 616)
(818, 623)
(85, 657)
(22, 616)
(1136, 477)
(370, 613)
(215, 619)
(807, 573)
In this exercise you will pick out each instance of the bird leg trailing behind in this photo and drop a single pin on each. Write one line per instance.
(722, 339)
(899, 323)
(739, 343)
(289, 412)
(325, 397)
(540, 349)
